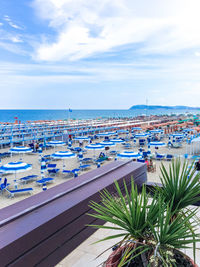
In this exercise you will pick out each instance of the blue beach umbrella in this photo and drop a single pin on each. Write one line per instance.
(82, 138)
(43, 167)
(177, 135)
(116, 140)
(15, 167)
(40, 152)
(95, 147)
(136, 129)
(63, 155)
(56, 143)
(123, 131)
(20, 150)
(140, 135)
(157, 144)
(156, 131)
(107, 143)
(128, 155)
(105, 134)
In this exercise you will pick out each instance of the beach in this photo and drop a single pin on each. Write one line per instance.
(72, 163)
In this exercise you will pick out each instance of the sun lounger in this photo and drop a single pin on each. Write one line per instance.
(169, 157)
(160, 156)
(74, 172)
(4, 185)
(113, 152)
(28, 178)
(84, 167)
(52, 169)
(87, 160)
(141, 160)
(12, 193)
(45, 180)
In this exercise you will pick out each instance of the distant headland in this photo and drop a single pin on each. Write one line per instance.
(152, 107)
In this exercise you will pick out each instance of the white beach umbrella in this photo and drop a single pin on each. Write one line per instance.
(128, 155)
(157, 144)
(107, 143)
(95, 147)
(105, 134)
(15, 167)
(116, 140)
(56, 143)
(43, 167)
(140, 135)
(82, 138)
(20, 150)
(63, 155)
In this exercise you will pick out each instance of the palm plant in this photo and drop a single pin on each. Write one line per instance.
(152, 230)
(180, 185)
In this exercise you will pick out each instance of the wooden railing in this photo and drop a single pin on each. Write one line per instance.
(44, 228)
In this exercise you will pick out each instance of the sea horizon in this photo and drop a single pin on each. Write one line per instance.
(24, 115)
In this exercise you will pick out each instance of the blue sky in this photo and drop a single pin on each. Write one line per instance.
(100, 54)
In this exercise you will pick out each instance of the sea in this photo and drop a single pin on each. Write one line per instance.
(9, 115)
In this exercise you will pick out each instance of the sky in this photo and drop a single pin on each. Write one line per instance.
(102, 54)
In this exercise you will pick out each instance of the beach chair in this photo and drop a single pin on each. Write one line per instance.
(28, 178)
(145, 154)
(74, 172)
(4, 185)
(47, 158)
(87, 160)
(141, 160)
(113, 152)
(169, 157)
(51, 168)
(160, 156)
(84, 167)
(45, 181)
(12, 193)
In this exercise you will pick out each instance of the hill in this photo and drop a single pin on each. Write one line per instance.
(152, 107)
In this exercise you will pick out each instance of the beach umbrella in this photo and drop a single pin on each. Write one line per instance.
(149, 148)
(136, 129)
(123, 131)
(156, 131)
(15, 167)
(69, 143)
(157, 144)
(128, 155)
(95, 147)
(116, 140)
(56, 143)
(177, 135)
(63, 155)
(107, 143)
(140, 135)
(82, 138)
(43, 167)
(105, 134)
(20, 150)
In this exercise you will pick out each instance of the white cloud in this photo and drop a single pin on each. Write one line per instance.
(85, 28)
(11, 23)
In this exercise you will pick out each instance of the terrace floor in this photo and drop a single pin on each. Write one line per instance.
(85, 254)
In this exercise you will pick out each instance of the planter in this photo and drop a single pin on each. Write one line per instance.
(116, 255)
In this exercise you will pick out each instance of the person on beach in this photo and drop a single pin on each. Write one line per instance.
(197, 165)
(147, 162)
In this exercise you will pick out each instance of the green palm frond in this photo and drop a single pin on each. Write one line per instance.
(180, 184)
